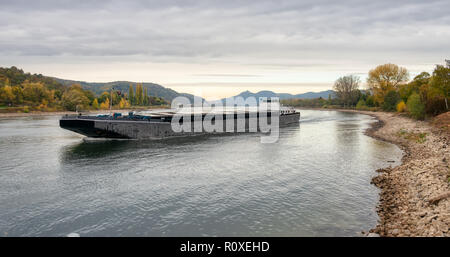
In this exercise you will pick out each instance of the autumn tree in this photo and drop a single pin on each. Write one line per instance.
(123, 103)
(385, 78)
(419, 81)
(95, 104)
(104, 96)
(105, 104)
(347, 89)
(115, 98)
(7, 95)
(35, 92)
(74, 99)
(139, 94)
(441, 81)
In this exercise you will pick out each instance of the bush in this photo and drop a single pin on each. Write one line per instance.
(390, 101)
(401, 106)
(415, 106)
(370, 101)
(361, 104)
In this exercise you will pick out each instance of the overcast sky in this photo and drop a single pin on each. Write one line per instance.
(222, 46)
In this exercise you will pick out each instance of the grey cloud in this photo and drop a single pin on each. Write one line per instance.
(249, 32)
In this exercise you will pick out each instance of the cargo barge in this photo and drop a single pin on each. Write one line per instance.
(158, 124)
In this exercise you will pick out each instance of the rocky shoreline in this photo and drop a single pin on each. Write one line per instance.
(414, 197)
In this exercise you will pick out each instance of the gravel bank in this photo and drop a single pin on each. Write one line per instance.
(414, 197)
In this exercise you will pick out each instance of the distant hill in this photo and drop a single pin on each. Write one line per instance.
(283, 96)
(153, 89)
(311, 95)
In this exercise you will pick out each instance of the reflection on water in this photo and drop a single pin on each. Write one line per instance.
(94, 149)
(315, 181)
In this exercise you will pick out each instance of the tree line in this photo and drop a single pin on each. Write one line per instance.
(26, 92)
(390, 89)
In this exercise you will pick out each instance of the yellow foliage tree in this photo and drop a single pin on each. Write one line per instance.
(74, 99)
(385, 78)
(44, 104)
(139, 94)
(7, 94)
(123, 103)
(35, 92)
(95, 104)
(105, 104)
(401, 106)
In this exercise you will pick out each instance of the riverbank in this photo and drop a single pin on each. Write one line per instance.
(29, 114)
(414, 197)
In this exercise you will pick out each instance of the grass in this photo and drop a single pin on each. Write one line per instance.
(418, 137)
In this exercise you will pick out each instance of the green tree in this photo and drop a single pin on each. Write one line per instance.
(104, 96)
(370, 101)
(441, 82)
(405, 90)
(415, 106)
(361, 104)
(131, 99)
(116, 98)
(390, 101)
(146, 98)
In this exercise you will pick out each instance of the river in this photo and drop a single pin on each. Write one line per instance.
(315, 181)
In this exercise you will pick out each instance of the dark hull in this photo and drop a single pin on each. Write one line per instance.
(87, 128)
(134, 128)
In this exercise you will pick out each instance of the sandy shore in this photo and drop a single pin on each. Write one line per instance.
(414, 198)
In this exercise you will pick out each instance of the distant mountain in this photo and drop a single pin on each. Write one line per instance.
(310, 95)
(282, 96)
(153, 89)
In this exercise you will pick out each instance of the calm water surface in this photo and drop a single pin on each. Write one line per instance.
(315, 181)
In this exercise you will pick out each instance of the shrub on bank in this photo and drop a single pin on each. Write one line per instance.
(415, 106)
(401, 106)
(361, 104)
(390, 101)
